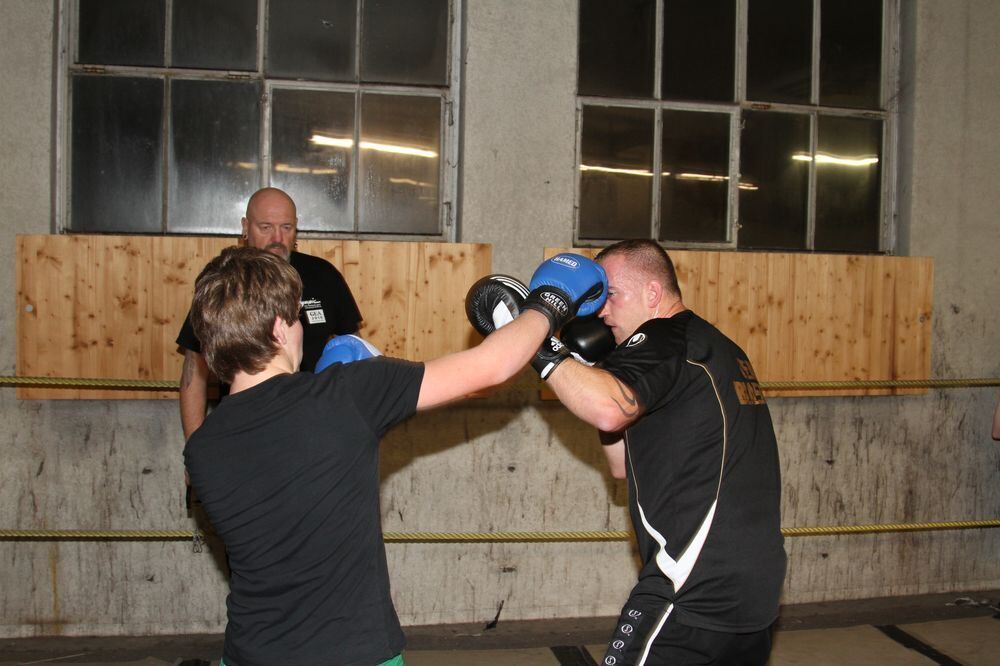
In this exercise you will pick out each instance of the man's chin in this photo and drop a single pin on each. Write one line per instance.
(278, 249)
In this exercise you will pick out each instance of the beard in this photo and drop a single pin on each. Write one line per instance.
(278, 249)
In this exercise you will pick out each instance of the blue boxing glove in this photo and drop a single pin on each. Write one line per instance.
(565, 286)
(345, 349)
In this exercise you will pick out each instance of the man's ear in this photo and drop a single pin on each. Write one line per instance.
(245, 224)
(279, 331)
(654, 294)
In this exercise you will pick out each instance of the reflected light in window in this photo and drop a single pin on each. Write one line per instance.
(825, 158)
(629, 172)
(321, 140)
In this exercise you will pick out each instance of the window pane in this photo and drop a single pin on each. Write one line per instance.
(616, 179)
(694, 190)
(117, 154)
(405, 41)
(848, 184)
(699, 42)
(312, 140)
(215, 35)
(121, 32)
(214, 137)
(850, 56)
(774, 157)
(311, 39)
(400, 164)
(779, 51)
(617, 48)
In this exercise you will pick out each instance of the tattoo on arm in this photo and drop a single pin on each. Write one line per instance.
(187, 373)
(626, 402)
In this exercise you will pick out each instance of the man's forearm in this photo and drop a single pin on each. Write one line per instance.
(193, 393)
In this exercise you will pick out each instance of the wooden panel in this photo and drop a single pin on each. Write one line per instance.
(111, 306)
(815, 317)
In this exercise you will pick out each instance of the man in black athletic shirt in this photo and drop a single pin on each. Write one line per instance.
(683, 418)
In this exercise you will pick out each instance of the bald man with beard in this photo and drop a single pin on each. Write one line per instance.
(327, 309)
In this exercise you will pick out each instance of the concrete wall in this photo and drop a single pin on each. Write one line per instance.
(512, 462)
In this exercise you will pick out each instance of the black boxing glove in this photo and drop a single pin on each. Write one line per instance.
(549, 356)
(494, 301)
(589, 339)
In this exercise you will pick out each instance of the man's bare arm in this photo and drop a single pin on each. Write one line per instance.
(595, 396)
(613, 444)
(193, 392)
(498, 358)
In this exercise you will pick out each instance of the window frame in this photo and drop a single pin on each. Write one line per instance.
(448, 172)
(888, 100)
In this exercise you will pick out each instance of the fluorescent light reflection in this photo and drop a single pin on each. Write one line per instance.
(685, 175)
(629, 172)
(319, 171)
(322, 140)
(826, 158)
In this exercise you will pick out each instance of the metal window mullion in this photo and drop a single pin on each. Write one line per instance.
(889, 103)
(657, 166)
(657, 171)
(262, 30)
(266, 119)
(811, 188)
(452, 134)
(66, 22)
(658, 51)
(168, 33)
(165, 157)
(356, 157)
(735, 122)
(736, 126)
(578, 176)
(816, 37)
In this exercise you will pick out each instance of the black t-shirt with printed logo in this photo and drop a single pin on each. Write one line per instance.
(328, 309)
(703, 474)
(288, 474)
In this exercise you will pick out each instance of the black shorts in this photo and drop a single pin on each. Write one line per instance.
(648, 634)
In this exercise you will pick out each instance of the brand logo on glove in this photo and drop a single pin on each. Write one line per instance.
(572, 263)
(636, 339)
(556, 301)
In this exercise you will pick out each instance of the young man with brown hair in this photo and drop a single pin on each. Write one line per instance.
(287, 465)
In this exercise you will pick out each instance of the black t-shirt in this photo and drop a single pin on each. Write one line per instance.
(703, 474)
(328, 309)
(288, 474)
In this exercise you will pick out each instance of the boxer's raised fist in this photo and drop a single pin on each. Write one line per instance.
(494, 301)
(345, 349)
(565, 286)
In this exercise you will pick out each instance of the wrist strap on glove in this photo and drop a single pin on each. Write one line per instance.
(549, 356)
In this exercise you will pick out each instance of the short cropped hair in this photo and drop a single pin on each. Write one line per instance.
(647, 257)
(237, 297)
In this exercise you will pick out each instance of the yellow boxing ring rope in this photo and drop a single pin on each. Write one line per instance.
(500, 537)
(488, 537)
(161, 385)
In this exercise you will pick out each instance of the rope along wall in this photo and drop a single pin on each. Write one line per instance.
(487, 537)
(160, 385)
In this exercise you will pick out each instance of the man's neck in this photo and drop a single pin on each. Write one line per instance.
(243, 381)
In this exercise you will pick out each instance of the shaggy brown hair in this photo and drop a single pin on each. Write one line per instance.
(648, 257)
(237, 297)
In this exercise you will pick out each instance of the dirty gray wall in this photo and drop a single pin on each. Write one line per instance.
(510, 461)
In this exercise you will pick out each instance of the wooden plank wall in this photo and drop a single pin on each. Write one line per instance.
(111, 306)
(815, 317)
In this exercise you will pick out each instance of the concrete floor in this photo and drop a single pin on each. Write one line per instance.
(957, 628)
